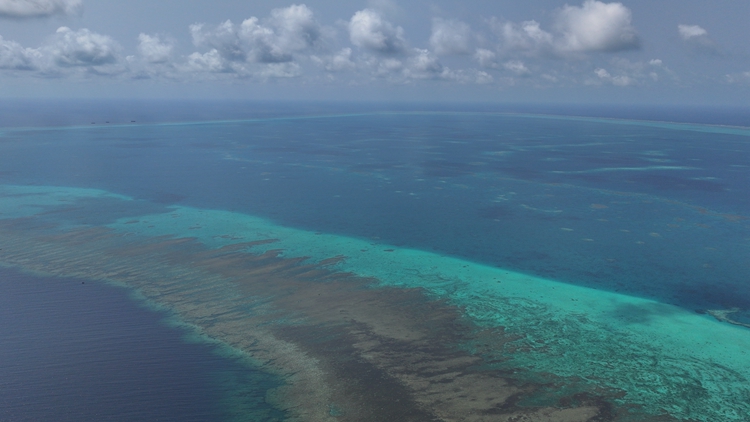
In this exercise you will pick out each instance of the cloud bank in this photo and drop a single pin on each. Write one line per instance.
(64, 51)
(288, 31)
(82, 48)
(38, 8)
(578, 46)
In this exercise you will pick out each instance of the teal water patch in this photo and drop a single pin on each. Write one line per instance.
(661, 356)
(728, 130)
(25, 201)
(615, 169)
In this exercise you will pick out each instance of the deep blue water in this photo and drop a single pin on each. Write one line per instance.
(496, 189)
(76, 351)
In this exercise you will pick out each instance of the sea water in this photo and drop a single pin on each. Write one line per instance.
(589, 263)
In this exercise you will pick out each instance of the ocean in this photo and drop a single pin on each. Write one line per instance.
(238, 261)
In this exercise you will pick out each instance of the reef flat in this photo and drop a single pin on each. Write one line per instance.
(365, 331)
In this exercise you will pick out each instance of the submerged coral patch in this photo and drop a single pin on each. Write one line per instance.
(358, 332)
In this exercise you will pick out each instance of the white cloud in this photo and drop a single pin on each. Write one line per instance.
(340, 61)
(289, 43)
(517, 67)
(370, 31)
(13, 56)
(738, 78)
(485, 58)
(82, 48)
(66, 52)
(623, 72)
(210, 61)
(592, 27)
(296, 28)
(483, 78)
(423, 64)
(527, 36)
(691, 31)
(38, 8)
(153, 49)
(450, 37)
(288, 31)
(278, 70)
(619, 80)
(596, 26)
(697, 39)
(415, 64)
(388, 66)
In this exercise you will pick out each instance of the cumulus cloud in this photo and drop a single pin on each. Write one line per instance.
(153, 49)
(206, 62)
(370, 31)
(592, 27)
(485, 58)
(38, 8)
(289, 42)
(527, 36)
(256, 48)
(340, 61)
(388, 67)
(82, 48)
(424, 64)
(623, 72)
(288, 31)
(13, 56)
(296, 28)
(691, 31)
(415, 64)
(619, 80)
(483, 78)
(450, 37)
(517, 67)
(278, 70)
(597, 26)
(64, 52)
(697, 39)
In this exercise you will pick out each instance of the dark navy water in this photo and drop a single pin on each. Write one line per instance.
(76, 351)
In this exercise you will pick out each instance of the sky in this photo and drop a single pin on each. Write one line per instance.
(536, 51)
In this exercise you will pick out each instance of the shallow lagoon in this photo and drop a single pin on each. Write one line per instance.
(417, 265)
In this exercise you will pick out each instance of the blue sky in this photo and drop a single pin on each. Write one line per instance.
(639, 51)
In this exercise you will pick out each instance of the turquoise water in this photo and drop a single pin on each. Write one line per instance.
(588, 265)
